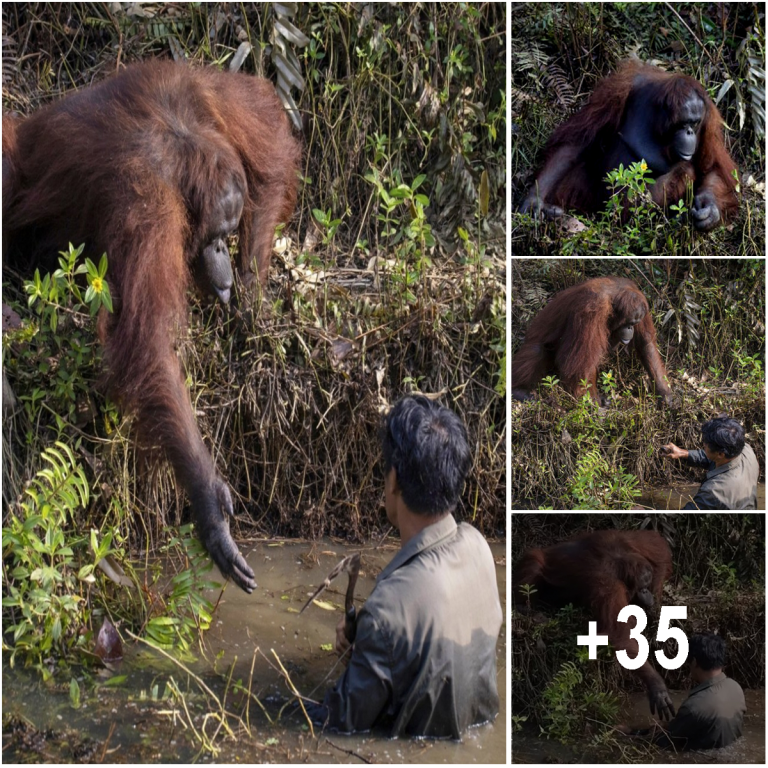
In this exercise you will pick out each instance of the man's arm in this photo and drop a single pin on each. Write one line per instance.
(679, 733)
(683, 732)
(697, 458)
(704, 498)
(363, 694)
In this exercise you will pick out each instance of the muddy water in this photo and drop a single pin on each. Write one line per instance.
(678, 495)
(528, 747)
(750, 748)
(125, 724)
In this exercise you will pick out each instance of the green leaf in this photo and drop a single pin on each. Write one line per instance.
(74, 693)
(106, 299)
(114, 682)
(163, 621)
(484, 193)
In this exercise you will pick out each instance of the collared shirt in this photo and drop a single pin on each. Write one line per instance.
(729, 486)
(424, 658)
(712, 716)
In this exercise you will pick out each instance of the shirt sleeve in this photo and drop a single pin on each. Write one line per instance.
(682, 731)
(704, 498)
(697, 458)
(364, 693)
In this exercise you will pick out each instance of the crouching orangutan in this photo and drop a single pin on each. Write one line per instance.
(156, 166)
(640, 113)
(603, 572)
(575, 331)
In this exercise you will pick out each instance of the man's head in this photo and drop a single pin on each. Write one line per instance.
(706, 652)
(722, 435)
(426, 445)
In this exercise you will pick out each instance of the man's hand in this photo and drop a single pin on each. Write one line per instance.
(343, 646)
(671, 451)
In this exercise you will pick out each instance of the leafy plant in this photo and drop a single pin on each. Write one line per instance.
(598, 485)
(328, 224)
(409, 241)
(47, 293)
(570, 703)
(187, 612)
(608, 382)
(44, 606)
(50, 565)
(55, 358)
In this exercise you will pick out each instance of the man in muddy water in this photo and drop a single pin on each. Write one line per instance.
(731, 481)
(423, 662)
(713, 714)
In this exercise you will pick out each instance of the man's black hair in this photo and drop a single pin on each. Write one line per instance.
(725, 435)
(708, 649)
(427, 445)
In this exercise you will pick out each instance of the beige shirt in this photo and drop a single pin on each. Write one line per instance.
(424, 658)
